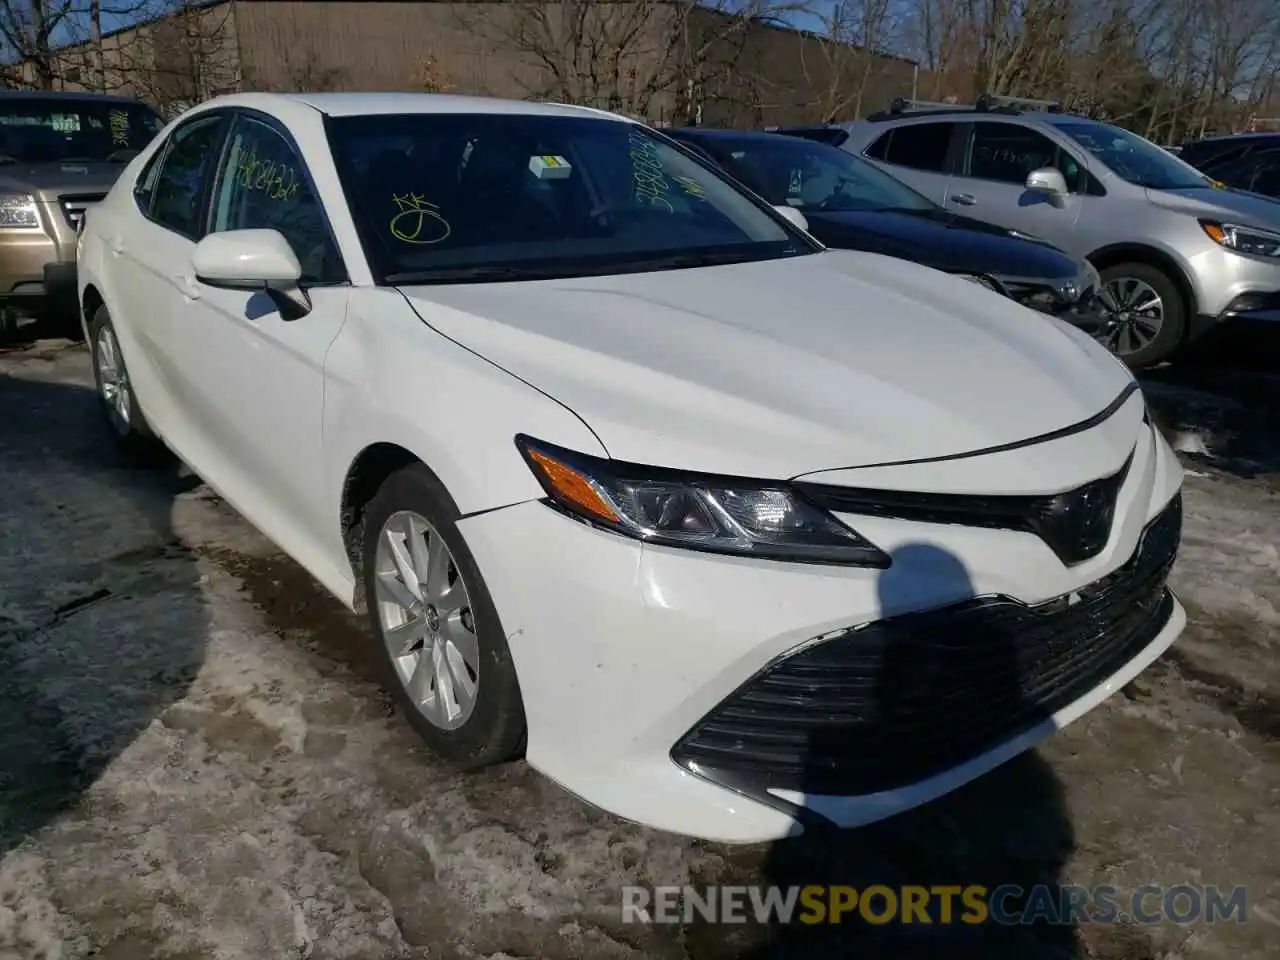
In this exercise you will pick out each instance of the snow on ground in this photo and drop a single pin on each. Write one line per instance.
(195, 761)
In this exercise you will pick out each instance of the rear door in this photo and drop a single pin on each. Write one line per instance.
(919, 154)
(990, 180)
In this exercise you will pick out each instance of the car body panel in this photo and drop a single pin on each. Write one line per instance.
(690, 393)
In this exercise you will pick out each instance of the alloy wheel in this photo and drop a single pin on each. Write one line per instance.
(1133, 315)
(113, 380)
(424, 611)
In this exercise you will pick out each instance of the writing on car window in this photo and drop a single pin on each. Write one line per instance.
(119, 124)
(277, 181)
(418, 220)
(649, 178)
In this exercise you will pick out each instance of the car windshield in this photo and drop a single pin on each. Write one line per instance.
(1132, 157)
(451, 197)
(811, 176)
(66, 130)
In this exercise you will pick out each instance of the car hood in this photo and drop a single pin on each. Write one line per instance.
(1252, 208)
(60, 177)
(943, 241)
(777, 368)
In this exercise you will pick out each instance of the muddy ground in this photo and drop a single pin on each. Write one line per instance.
(195, 761)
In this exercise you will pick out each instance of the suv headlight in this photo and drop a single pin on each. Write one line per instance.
(18, 210)
(713, 514)
(1252, 240)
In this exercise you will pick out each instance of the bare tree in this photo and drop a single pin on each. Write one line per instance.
(624, 55)
(33, 33)
(839, 62)
(184, 54)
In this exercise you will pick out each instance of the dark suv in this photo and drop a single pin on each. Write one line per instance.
(1246, 161)
(851, 204)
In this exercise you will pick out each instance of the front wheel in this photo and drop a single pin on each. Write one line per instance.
(1144, 314)
(440, 642)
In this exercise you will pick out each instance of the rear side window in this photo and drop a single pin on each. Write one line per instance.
(177, 198)
(920, 146)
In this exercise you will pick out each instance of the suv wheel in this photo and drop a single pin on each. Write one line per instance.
(1144, 314)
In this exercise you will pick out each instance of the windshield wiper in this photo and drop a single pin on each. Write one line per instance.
(696, 258)
(485, 274)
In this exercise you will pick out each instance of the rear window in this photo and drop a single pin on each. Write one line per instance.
(40, 130)
(920, 146)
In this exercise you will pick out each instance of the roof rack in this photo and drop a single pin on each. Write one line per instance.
(987, 103)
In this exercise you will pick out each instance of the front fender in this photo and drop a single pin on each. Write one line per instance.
(392, 379)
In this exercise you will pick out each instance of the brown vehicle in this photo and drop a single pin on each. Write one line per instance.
(59, 154)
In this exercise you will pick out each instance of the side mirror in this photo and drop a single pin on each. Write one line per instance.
(1050, 182)
(253, 260)
(794, 215)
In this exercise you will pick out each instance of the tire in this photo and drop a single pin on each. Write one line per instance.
(116, 399)
(1129, 280)
(491, 728)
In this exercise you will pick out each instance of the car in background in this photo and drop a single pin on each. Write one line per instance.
(724, 531)
(59, 154)
(1177, 252)
(850, 204)
(1245, 161)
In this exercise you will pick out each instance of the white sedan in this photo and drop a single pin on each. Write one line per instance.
(722, 530)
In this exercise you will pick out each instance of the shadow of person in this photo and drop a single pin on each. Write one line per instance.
(936, 681)
(102, 622)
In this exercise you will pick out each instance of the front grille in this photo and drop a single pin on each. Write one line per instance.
(1075, 525)
(894, 702)
(74, 206)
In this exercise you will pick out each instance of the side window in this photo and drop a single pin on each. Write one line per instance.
(178, 192)
(880, 149)
(1267, 178)
(1008, 152)
(263, 186)
(144, 187)
(920, 146)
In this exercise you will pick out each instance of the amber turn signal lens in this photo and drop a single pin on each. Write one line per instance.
(573, 487)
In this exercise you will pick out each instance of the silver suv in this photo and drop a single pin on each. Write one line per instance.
(1177, 252)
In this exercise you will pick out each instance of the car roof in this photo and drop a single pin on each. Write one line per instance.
(367, 104)
(63, 95)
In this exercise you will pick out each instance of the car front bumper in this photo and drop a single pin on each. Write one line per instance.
(1235, 288)
(711, 696)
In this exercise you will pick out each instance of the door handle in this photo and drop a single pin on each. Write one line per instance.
(188, 286)
(964, 199)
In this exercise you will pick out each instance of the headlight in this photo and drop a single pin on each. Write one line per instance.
(696, 511)
(1253, 240)
(18, 210)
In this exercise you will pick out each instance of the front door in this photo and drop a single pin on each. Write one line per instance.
(258, 378)
(990, 183)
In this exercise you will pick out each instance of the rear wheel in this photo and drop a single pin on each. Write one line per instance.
(116, 399)
(1144, 314)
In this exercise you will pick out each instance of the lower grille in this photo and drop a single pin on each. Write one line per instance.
(897, 701)
(74, 206)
